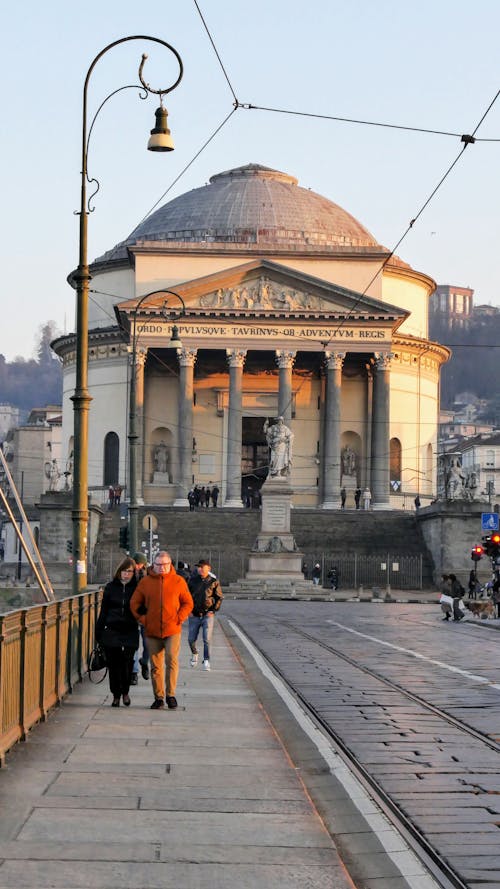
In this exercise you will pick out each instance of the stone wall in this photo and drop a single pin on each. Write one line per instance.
(56, 529)
(450, 530)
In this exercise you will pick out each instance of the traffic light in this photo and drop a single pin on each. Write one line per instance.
(491, 544)
(477, 553)
(124, 537)
(69, 546)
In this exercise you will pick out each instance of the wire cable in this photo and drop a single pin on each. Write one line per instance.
(216, 53)
(466, 142)
(184, 170)
(367, 123)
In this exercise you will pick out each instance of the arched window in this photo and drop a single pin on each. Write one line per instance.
(395, 460)
(111, 456)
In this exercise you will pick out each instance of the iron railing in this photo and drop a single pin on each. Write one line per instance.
(355, 570)
(43, 652)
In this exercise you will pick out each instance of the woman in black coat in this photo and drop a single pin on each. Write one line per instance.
(117, 630)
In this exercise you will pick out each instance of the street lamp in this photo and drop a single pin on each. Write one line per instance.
(160, 141)
(174, 343)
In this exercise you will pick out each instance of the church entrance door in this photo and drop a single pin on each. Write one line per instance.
(254, 460)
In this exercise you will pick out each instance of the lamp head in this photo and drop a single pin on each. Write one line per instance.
(175, 342)
(160, 138)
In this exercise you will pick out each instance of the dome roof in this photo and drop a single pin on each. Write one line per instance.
(254, 206)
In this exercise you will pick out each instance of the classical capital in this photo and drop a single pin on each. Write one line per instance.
(383, 360)
(140, 356)
(187, 357)
(334, 360)
(285, 359)
(236, 357)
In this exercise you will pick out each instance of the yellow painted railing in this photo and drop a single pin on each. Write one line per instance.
(43, 652)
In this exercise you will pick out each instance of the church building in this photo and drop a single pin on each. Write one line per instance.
(244, 300)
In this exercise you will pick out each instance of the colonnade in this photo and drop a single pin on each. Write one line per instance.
(377, 411)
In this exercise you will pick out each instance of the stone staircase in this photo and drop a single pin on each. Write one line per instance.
(226, 536)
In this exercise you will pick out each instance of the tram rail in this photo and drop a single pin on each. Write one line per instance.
(436, 863)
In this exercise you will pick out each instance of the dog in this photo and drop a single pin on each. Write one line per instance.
(483, 610)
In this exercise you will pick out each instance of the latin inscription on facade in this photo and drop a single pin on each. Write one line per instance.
(338, 332)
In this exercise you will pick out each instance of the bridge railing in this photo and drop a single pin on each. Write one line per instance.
(43, 652)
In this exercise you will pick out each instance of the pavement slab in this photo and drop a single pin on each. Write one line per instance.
(203, 796)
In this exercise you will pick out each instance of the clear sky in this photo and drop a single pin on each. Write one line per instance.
(432, 64)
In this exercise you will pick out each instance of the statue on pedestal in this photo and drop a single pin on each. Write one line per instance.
(455, 481)
(53, 474)
(280, 440)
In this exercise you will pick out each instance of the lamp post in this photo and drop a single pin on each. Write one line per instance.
(160, 140)
(133, 436)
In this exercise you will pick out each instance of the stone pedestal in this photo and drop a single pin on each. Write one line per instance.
(161, 478)
(350, 484)
(274, 555)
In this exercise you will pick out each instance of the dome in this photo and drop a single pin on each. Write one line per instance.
(255, 207)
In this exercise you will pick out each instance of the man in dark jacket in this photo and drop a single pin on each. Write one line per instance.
(207, 597)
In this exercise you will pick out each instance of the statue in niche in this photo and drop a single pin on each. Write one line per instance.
(160, 457)
(348, 461)
(280, 440)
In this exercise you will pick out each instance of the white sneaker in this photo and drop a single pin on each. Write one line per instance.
(194, 660)
(206, 665)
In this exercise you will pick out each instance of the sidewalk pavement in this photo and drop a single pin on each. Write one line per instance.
(203, 796)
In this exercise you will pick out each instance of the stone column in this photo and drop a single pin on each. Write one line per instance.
(380, 463)
(285, 361)
(187, 358)
(236, 360)
(331, 430)
(140, 361)
(366, 478)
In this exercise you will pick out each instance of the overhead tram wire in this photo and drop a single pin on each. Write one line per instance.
(236, 105)
(467, 140)
(186, 168)
(248, 106)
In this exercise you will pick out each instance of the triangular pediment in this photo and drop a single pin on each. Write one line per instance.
(266, 289)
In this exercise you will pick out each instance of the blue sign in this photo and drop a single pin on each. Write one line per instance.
(489, 521)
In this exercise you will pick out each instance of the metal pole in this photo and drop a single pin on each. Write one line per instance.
(132, 438)
(81, 398)
(20, 549)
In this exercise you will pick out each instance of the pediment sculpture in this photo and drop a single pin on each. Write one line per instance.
(262, 295)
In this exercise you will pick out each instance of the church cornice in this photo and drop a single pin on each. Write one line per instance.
(104, 343)
(419, 352)
(405, 271)
(228, 248)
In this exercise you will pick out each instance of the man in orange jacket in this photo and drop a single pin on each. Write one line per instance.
(161, 602)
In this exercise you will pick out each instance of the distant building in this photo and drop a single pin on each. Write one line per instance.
(481, 455)
(461, 421)
(450, 307)
(9, 418)
(33, 453)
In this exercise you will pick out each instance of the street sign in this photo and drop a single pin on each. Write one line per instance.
(489, 521)
(150, 522)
